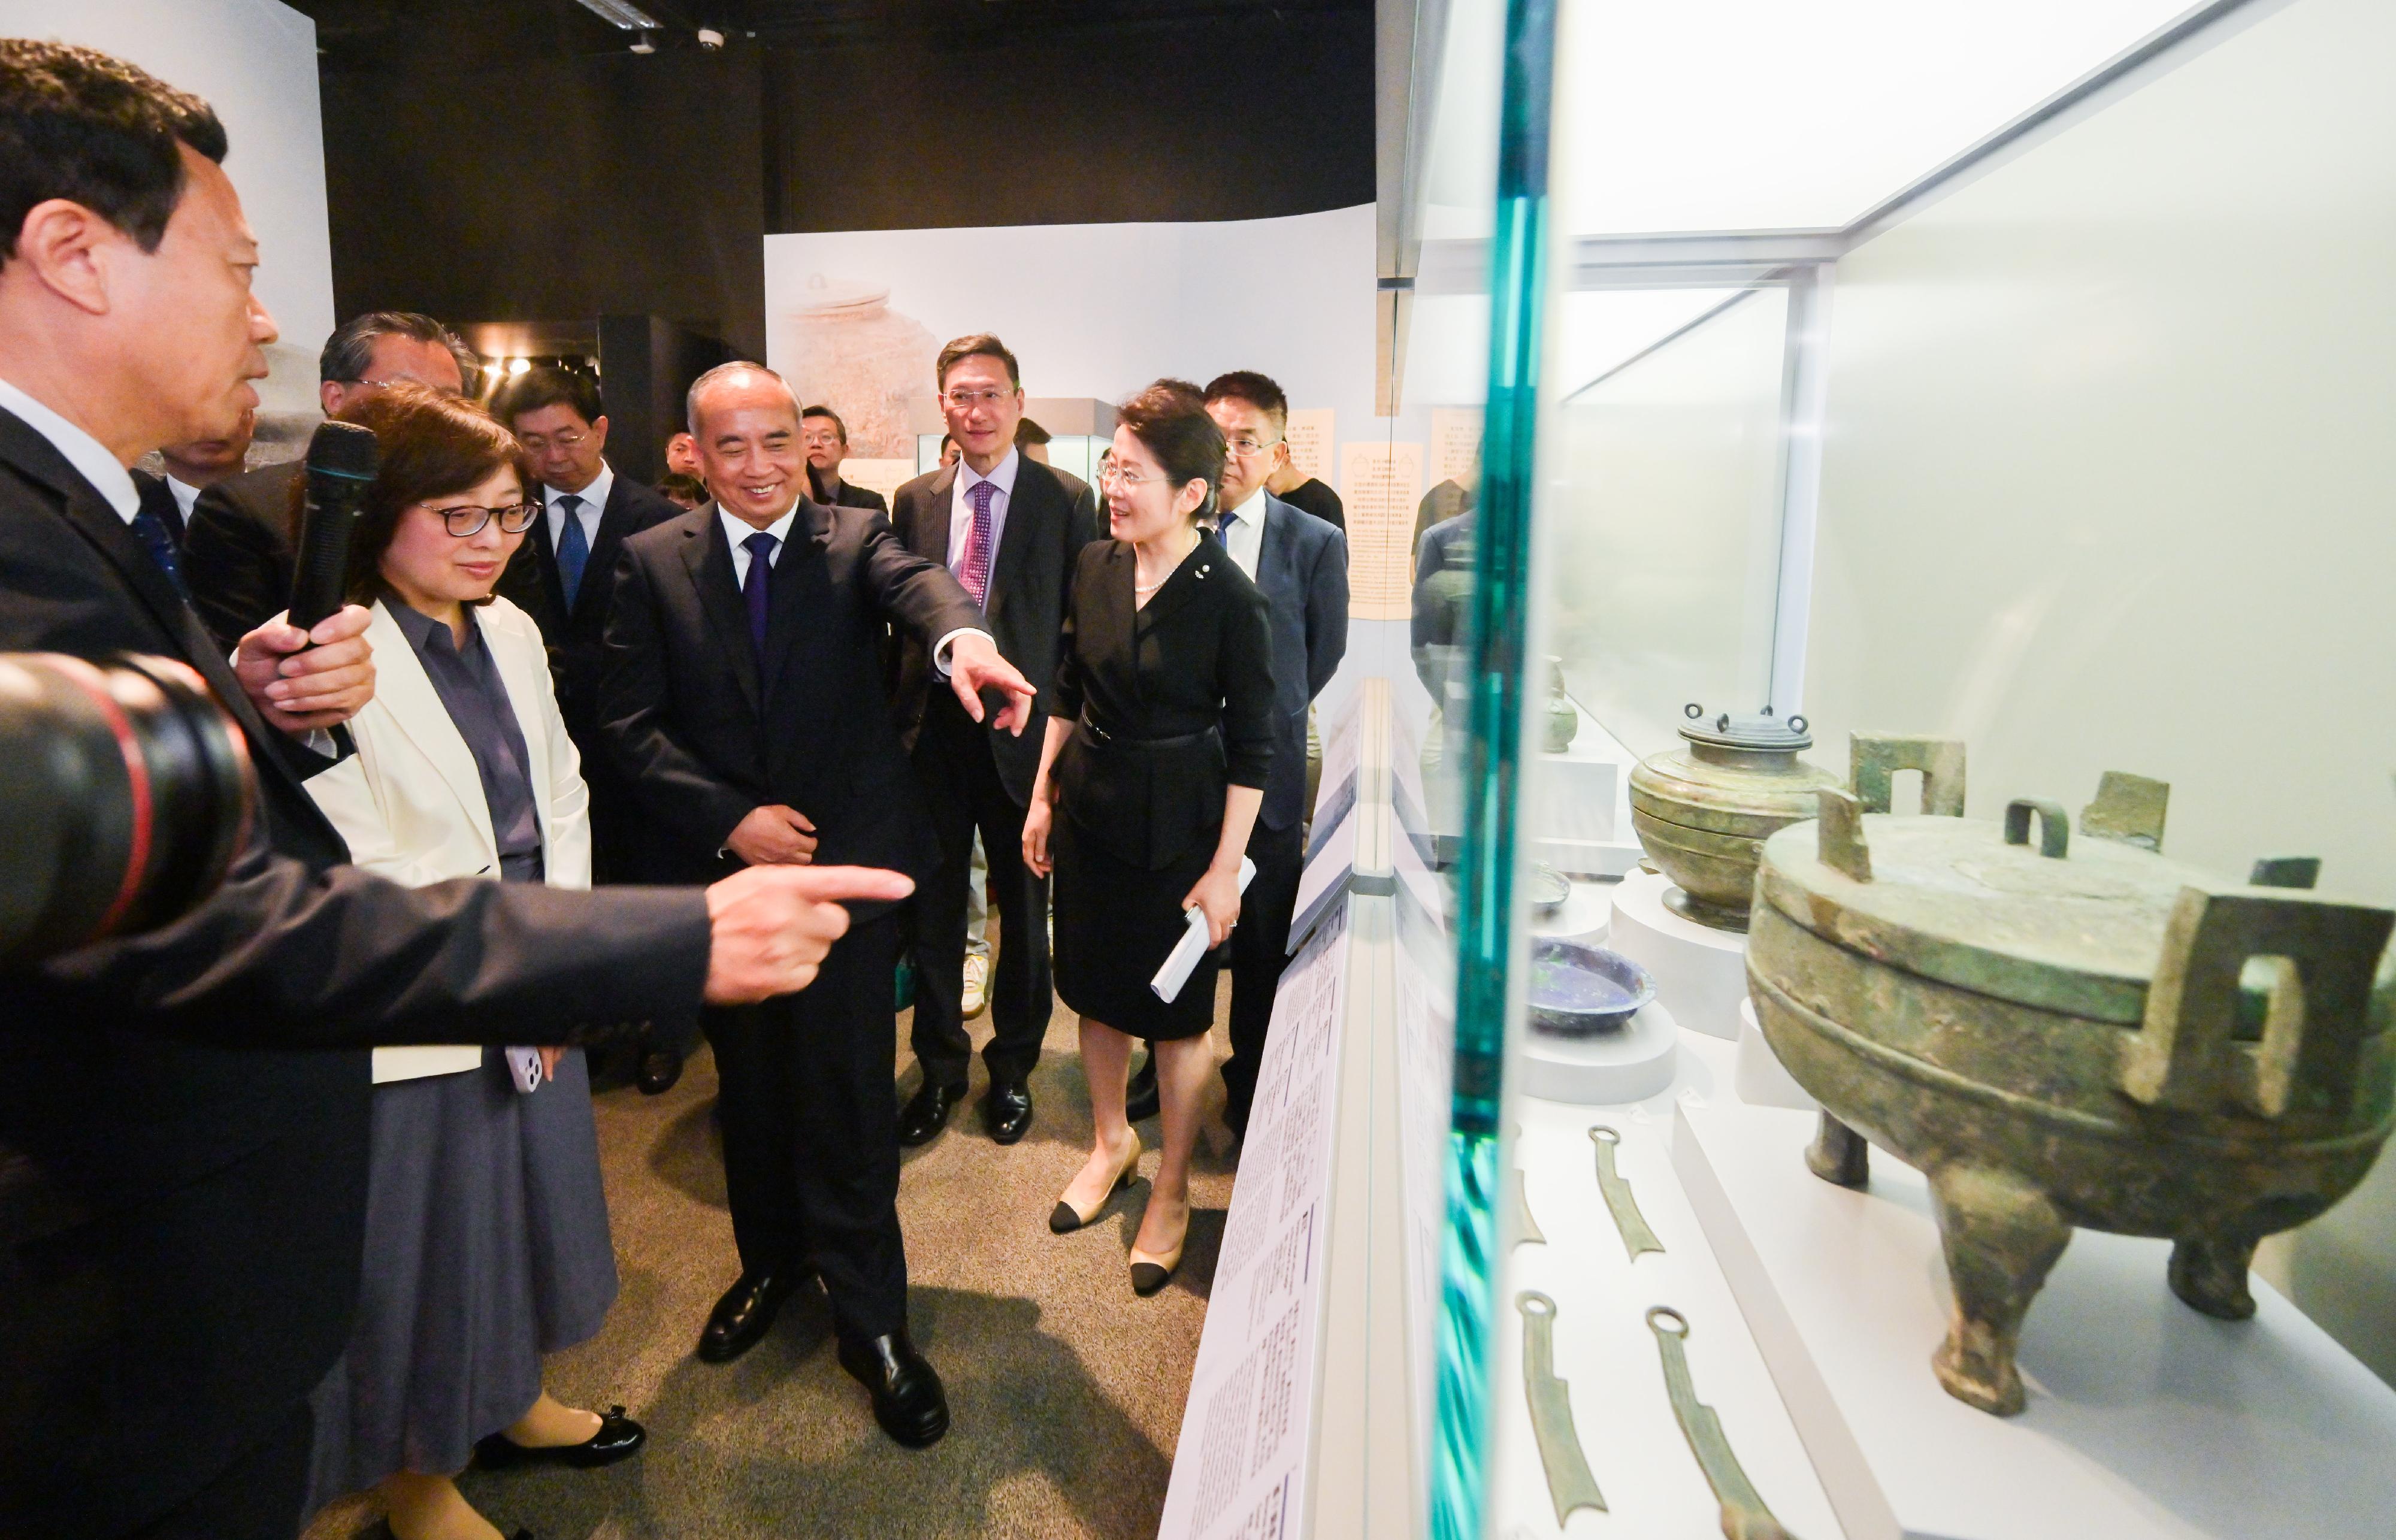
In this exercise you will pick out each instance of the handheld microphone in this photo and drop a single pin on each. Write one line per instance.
(342, 459)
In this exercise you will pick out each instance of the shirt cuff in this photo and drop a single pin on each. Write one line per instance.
(940, 649)
(319, 740)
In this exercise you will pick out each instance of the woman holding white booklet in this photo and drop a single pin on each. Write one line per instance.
(1149, 781)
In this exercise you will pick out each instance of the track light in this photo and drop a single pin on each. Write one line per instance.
(646, 44)
(621, 13)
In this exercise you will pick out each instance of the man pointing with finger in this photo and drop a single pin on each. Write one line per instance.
(742, 694)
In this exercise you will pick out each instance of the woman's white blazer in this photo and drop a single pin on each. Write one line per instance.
(410, 801)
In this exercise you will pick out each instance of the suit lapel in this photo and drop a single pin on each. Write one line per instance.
(613, 520)
(935, 544)
(802, 593)
(1197, 571)
(709, 561)
(544, 561)
(1031, 513)
(1277, 551)
(406, 691)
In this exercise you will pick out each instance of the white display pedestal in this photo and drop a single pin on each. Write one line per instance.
(1761, 1080)
(1625, 1065)
(1700, 971)
(1586, 918)
(2145, 1418)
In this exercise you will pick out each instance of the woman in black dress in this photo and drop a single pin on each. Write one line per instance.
(1149, 782)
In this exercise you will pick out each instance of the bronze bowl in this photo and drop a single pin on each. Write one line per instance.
(2062, 1034)
(1702, 813)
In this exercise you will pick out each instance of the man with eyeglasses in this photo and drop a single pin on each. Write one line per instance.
(562, 576)
(1301, 561)
(826, 438)
(1010, 531)
(238, 556)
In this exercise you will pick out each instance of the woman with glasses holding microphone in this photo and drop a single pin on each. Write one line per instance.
(1149, 781)
(486, 1227)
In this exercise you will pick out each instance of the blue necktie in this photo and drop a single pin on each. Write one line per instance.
(573, 548)
(153, 535)
(760, 547)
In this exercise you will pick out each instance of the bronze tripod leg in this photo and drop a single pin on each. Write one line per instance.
(1838, 1154)
(2208, 1272)
(2001, 1236)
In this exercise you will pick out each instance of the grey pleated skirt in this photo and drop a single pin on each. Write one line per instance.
(486, 1247)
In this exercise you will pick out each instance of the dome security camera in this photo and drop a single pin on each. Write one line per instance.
(710, 39)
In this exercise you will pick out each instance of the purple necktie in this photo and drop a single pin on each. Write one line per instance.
(974, 571)
(760, 547)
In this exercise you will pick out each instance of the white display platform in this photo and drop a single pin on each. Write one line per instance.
(2145, 1418)
(1761, 1080)
(1700, 971)
(1586, 917)
(1625, 1065)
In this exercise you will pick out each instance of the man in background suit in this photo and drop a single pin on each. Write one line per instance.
(183, 1133)
(238, 555)
(562, 576)
(190, 469)
(1301, 564)
(827, 441)
(1011, 532)
(743, 696)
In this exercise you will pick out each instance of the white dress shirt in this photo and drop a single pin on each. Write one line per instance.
(1244, 532)
(185, 496)
(108, 477)
(594, 502)
(960, 513)
(737, 530)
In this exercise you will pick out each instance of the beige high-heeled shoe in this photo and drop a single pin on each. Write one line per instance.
(1064, 1219)
(1150, 1270)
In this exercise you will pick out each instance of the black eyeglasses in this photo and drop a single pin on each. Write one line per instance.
(467, 521)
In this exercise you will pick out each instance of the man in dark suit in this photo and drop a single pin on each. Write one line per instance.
(827, 441)
(742, 695)
(181, 1185)
(1011, 532)
(1301, 564)
(237, 551)
(562, 576)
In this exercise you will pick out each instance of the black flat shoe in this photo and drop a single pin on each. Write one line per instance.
(1007, 1111)
(1140, 1100)
(908, 1401)
(926, 1112)
(661, 1067)
(744, 1315)
(619, 1438)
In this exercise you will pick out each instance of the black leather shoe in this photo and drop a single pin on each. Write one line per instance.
(908, 1401)
(659, 1068)
(1007, 1111)
(617, 1438)
(744, 1315)
(1140, 1100)
(926, 1112)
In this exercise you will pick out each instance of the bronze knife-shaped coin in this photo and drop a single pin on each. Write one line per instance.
(1744, 1517)
(1632, 1225)
(1526, 1224)
(1569, 1482)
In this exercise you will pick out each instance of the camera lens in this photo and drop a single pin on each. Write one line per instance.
(128, 790)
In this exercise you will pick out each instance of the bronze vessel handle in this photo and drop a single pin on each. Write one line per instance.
(2186, 1056)
(1873, 760)
(2054, 825)
(1838, 835)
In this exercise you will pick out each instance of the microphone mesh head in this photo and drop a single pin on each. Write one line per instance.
(345, 449)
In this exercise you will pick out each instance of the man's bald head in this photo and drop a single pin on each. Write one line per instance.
(737, 381)
(746, 423)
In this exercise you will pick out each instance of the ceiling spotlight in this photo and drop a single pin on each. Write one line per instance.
(710, 39)
(621, 13)
(646, 44)
(518, 366)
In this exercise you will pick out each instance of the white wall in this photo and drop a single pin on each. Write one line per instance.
(255, 62)
(2109, 481)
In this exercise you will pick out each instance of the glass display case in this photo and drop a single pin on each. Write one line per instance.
(1840, 436)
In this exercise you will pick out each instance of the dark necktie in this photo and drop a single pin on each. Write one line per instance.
(153, 533)
(573, 548)
(974, 571)
(758, 585)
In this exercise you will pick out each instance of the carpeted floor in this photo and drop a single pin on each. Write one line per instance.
(1066, 1389)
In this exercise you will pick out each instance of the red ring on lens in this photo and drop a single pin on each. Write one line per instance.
(137, 774)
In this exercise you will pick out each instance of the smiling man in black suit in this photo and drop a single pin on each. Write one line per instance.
(742, 694)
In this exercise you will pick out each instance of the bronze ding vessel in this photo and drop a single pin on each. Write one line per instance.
(2063, 1032)
(1702, 813)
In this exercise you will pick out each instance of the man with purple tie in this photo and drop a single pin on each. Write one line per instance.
(742, 694)
(1010, 530)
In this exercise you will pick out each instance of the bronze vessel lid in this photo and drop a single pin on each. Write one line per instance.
(1749, 732)
(2058, 923)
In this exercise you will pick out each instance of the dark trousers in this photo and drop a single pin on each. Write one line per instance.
(1259, 951)
(258, 1497)
(961, 782)
(811, 1132)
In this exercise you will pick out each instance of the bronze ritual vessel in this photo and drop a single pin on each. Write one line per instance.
(2065, 1032)
(1702, 814)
